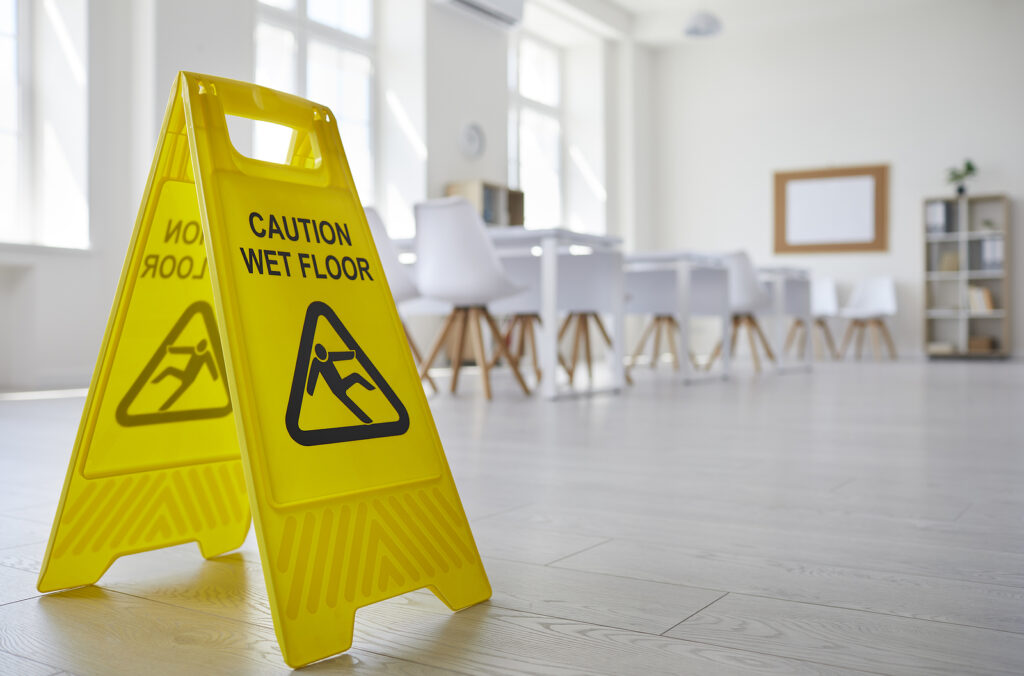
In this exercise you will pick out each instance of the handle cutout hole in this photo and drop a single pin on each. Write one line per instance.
(271, 142)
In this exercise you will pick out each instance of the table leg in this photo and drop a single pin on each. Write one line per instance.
(618, 356)
(683, 279)
(549, 317)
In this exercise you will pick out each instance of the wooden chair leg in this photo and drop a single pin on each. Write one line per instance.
(641, 343)
(888, 338)
(670, 335)
(417, 356)
(532, 338)
(737, 324)
(600, 326)
(439, 342)
(827, 333)
(851, 327)
(565, 326)
(507, 334)
(793, 328)
(749, 321)
(860, 339)
(656, 352)
(717, 351)
(513, 364)
(577, 344)
(764, 341)
(476, 338)
(876, 341)
(460, 345)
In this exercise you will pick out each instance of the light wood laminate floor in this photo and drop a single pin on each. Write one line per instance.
(860, 519)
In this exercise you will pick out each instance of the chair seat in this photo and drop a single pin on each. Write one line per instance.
(460, 296)
(859, 313)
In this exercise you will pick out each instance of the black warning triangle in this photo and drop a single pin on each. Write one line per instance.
(205, 355)
(315, 364)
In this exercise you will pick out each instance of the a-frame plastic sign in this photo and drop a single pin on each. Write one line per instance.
(254, 360)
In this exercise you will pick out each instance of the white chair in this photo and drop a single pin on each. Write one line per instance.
(403, 287)
(654, 291)
(871, 301)
(824, 304)
(585, 291)
(747, 296)
(456, 263)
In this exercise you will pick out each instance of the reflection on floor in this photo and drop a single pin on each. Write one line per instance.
(866, 517)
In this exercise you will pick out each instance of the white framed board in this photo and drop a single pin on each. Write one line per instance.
(832, 210)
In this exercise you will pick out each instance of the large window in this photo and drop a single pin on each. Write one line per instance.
(322, 50)
(10, 99)
(535, 129)
(43, 123)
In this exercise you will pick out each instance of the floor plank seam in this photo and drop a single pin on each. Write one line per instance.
(844, 566)
(696, 612)
(58, 670)
(877, 612)
(22, 600)
(965, 510)
(677, 639)
(188, 609)
(809, 603)
(585, 549)
(378, 653)
(783, 657)
(499, 512)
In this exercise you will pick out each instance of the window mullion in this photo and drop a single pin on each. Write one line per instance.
(302, 49)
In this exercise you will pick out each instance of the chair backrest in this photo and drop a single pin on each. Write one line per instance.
(399, 278)
(455, 259)
(824, 298)
(875, 295)
(746, 294)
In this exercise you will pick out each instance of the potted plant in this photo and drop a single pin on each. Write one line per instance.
(959, 176)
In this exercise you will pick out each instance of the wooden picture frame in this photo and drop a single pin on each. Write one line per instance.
(837, 210)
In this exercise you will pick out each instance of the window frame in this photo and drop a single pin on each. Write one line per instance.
(518, 102)
(304, 29)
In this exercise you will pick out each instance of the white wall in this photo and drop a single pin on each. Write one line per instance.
(467, 81)
(920, 88)
(445, 68)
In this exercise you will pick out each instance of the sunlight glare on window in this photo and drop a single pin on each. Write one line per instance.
(539, 74)
(342, 80)
(352, 16)
(275, 68)
(280, 4)
(540, 168)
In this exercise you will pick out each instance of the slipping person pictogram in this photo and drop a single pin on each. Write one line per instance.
(194, 336)
(380, 413)
(323, 367)
(199, 357)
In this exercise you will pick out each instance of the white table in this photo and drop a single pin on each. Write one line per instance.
(550, 241)
(703, 290)
(791, 297)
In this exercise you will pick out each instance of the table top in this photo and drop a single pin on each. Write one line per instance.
(675, 256)
(523, 237)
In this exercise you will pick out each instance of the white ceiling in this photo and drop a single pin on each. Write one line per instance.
(662, 21)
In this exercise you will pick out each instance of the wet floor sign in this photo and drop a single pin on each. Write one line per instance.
(254, 362)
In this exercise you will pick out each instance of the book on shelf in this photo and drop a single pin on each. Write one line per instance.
(981, 344)
(979, 299)
(941, 347)
(939, 217)
(992, 254)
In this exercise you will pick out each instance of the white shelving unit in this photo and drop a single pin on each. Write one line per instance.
(967, 254)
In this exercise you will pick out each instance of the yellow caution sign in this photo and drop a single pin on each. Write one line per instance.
(254, 360)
